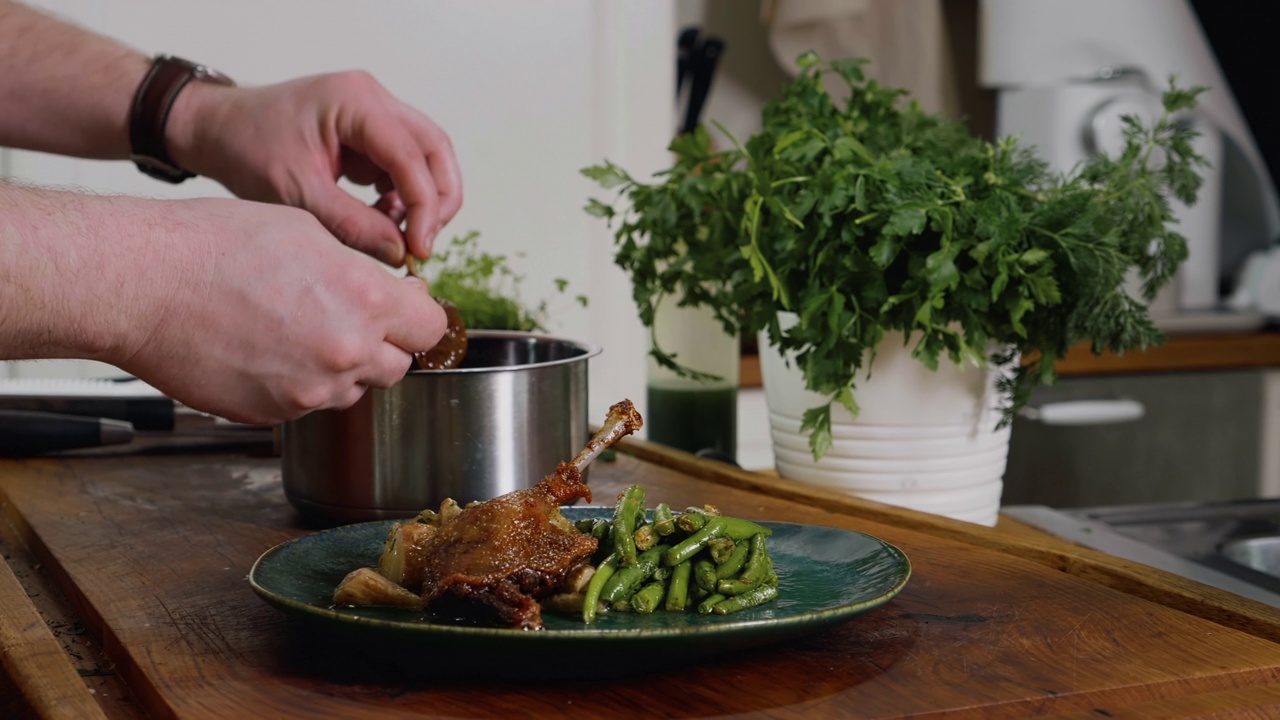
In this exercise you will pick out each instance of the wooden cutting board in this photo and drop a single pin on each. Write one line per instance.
(153, 553)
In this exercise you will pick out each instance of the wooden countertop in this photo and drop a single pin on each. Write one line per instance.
(125, 596)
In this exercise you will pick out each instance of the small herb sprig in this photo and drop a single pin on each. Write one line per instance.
(484, 288)
(870, 216)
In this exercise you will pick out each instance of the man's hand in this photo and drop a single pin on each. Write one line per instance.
(256, 314)
(289, 143)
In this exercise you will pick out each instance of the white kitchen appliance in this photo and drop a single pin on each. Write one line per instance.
(1066, 71)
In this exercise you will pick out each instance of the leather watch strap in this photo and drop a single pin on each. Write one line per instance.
(150, 114)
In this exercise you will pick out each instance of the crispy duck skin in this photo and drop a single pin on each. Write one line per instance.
(505, 553)
(515, 548)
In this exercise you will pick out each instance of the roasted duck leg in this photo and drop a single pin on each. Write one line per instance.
(513, 549)
(509, 551)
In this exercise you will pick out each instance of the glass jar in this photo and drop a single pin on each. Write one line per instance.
(686, 413)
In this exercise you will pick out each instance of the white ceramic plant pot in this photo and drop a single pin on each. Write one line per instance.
(923, 439)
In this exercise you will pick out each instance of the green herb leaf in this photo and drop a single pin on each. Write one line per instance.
(607, 175)
(905, 221)
(866, 215)
(483, 286)
(817, 422)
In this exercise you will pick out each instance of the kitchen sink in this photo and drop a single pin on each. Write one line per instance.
(1260, 553)
(1234, 546)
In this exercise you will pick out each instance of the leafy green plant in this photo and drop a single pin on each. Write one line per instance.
(870, 216)
(484, 287)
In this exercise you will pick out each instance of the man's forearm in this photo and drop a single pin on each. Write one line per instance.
(69, 263)
(64, 89)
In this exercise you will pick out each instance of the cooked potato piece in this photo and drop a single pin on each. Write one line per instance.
(401, 561)
(366, 587)
(565, 603)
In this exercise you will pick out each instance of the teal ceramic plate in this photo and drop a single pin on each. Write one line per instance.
(825, 576)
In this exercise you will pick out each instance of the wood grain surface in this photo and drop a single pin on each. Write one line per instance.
(1012, 538)
(74, 652)
(153, 554)
(40, 680)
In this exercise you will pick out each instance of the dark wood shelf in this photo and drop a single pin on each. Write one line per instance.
(1184, 353)
(1179, 353)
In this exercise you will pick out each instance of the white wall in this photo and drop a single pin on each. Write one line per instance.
(530, 91)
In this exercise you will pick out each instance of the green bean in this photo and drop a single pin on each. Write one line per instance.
(690, 546)
(600, 528)
(604, 571)
(760, 595)
(709, 603)
(720, 548)
(678, 590)
(692, 520)
(648, 598)
(627, 579)
(756, 568)
(646, 537)
(604, 543)
(704, 574)
(630, 502)
(740, 529)
(663, 520)
(711, 563)
(764, 567)
(731, 567)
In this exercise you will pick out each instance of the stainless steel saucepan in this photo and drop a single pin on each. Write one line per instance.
(502, 421)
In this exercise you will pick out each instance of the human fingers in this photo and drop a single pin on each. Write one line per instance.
(416, 322)
(346, 397)
(360, 170)
(441, 160)
(390, 204)
(394, 149)
(388, 366)
(371, 230)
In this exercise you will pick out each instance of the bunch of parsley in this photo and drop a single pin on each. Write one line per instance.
(869, 215)
(483, 286)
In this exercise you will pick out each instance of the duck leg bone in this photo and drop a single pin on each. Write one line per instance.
(622, 420)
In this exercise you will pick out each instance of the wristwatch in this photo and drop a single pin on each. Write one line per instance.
(151, 105)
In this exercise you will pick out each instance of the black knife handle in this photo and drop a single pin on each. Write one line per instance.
(702, 68)
(685, 44)
(24, 433)
(146, 413)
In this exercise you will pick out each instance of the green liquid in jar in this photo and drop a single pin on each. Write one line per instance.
(694, 418)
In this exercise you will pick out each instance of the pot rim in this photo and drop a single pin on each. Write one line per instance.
(589, 350)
